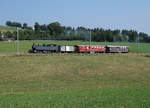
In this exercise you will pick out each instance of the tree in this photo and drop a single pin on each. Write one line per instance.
(25, 25)
(55, 29)
(17, 24)
(143, 37)
(8, 23)
(132, 35)
(13, 24)
(1, 35)
(43, 27)
(81, 29)
(8, 34)
(116, 35)
(37, 27)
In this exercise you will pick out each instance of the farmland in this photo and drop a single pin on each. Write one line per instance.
(75, 81)
(24, 46)
(6, 28)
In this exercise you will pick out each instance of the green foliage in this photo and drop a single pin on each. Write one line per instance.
(57, 32)
(55, 29)
(8, 34)
(43, 27)
(37, 27)
(25, 25)
(13, 24)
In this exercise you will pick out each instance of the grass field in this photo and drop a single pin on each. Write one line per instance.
(24, 46)
(97, 98)
(75, 81)
(6, 28)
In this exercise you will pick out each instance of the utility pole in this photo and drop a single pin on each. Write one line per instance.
(17, 42)
(138, 44)
(90, 43)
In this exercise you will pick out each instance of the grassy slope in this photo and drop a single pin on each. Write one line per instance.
(10, 47)
(6, 28)
(75, 81)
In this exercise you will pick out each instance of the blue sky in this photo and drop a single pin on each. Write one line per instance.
(108, 14)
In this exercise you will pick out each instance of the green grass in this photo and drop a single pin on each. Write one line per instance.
(96, 98)
(75, 81)
(58, 72)
(72, 80)
(24, 46)
(7, 28)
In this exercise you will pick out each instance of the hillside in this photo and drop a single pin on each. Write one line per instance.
(6, 28)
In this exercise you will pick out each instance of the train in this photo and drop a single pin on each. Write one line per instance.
(53, 48)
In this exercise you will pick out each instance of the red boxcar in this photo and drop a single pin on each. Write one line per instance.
(91, 48)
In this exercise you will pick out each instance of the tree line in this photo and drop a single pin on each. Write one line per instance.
(55, 31)
(18, 24)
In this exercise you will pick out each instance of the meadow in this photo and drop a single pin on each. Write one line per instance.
(6, 28)
(9, 48)
(75, 81)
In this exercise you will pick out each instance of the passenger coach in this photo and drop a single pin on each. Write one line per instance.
(67, 49)
(117, 49)
(91, 48)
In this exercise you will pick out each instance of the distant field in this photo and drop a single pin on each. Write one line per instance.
(24, 46)
(75, 81)
(6, 28)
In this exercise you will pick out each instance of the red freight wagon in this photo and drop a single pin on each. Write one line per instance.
(91, 48)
